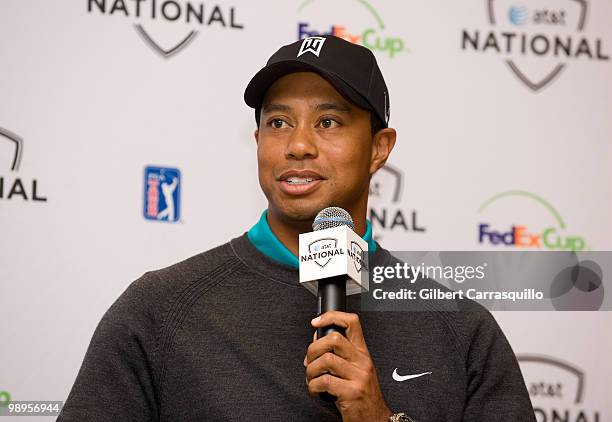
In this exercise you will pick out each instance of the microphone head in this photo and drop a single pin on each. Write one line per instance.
(331, 217)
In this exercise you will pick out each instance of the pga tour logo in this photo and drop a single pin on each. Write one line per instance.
(311, 45)
(162, 193)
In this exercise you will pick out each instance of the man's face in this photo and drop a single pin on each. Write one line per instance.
(314, 148)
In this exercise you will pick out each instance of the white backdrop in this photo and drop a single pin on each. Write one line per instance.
(91, 99)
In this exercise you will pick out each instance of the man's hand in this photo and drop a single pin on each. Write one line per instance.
(342, 366)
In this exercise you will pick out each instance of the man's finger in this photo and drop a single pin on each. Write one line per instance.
(314, 338)
(330, 384)
(335, 343)
(349, 321)
(332, 364)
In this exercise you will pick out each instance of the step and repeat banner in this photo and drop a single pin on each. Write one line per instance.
(125, 146)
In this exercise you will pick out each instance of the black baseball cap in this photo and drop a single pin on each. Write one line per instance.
(350, 68)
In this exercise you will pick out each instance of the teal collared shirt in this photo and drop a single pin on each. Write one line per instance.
(267, 243)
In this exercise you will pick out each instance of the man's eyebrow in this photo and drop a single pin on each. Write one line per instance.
(268, 108)
(334, 106)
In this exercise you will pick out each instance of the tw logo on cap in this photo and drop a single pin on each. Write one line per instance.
(312, 45)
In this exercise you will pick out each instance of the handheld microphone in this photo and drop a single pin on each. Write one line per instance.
(333, 262)
(331, 292)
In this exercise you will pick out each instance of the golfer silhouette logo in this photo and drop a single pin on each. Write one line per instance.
(168, 191)
(162, 194)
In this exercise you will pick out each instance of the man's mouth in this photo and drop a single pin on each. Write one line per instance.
(300, 176)
(299, 180)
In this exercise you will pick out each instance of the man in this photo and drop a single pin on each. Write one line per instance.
(228, 334)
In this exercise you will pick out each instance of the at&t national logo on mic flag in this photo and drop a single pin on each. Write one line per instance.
(162, 194)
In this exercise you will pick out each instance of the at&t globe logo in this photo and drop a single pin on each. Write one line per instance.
(518, 14)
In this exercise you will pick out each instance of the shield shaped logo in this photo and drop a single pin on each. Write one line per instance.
(18, 144)
(156, 46)
(320, 246)
(540, 17)
(357, 251)
(387, 184)
(546, 374)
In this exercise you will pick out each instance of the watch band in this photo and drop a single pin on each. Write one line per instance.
(400, 417)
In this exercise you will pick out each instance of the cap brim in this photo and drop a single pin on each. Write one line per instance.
(263, 80)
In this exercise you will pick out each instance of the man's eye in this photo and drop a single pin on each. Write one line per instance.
(328, 123)
(277, 123)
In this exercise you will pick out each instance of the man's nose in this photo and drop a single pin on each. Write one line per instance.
(301, 144)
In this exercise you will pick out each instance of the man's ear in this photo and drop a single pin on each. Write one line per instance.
(256, 136)
(382, 145)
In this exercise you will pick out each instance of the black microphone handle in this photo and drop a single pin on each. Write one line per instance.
(331, 297)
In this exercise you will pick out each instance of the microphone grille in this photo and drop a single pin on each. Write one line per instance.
(331, 217)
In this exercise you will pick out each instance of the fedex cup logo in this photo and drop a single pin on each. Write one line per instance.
(552, 235)
(322, 250)
(355, 21)
(312, 45)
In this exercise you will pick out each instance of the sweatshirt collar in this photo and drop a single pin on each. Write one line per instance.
(262, 237)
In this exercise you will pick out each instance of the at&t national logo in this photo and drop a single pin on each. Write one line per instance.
(552, 236)
(358, 257)
(162, 194)
(182, 20)
(366, 28)
(322, 251)
(557, 389)
(385, 207)
(12, 187)
(537, 39)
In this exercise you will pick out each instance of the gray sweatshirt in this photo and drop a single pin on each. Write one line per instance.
(222, 336)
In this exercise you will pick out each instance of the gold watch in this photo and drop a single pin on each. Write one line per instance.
(400, 417)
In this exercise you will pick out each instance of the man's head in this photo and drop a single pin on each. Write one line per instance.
(322, 128)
